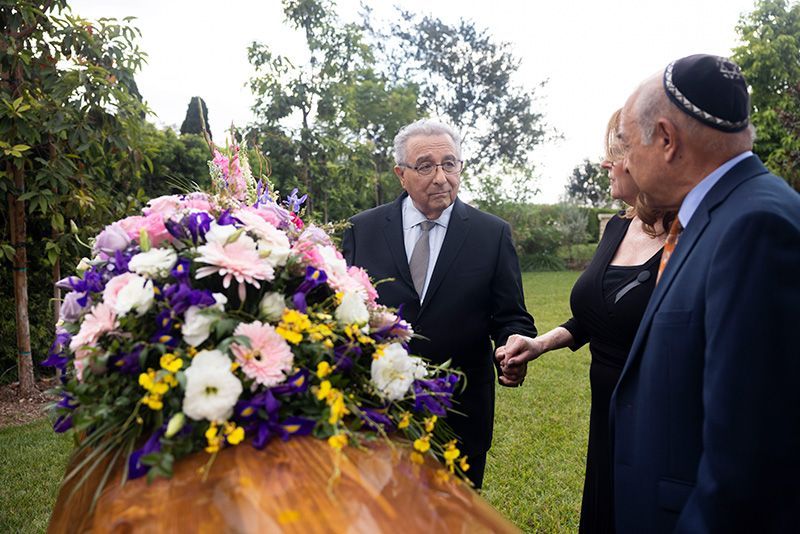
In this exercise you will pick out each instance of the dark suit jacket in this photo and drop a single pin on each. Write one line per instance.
(706, 416)
(474, 296)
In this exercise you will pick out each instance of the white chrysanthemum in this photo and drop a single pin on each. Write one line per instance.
(335, 266)
(138, 295)
(155, 263)
(211, 388)
(197, 321)
(352, 310)
(393, 373)
(271, 306)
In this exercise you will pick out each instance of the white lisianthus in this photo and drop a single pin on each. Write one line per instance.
(335, 266)
(394, 371)
(220, 233)
(155, 263)
(211, 388)
(197, 321)
(271, 306)
(138, 295)
(352, 310)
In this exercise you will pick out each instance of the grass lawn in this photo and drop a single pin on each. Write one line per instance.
(535, 469)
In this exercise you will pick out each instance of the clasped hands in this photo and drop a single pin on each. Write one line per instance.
(513, 358)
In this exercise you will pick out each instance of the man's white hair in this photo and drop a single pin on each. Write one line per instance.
(423, 127)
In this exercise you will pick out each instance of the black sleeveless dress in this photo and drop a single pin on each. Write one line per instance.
(607, 303)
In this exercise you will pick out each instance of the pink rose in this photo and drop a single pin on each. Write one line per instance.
(166, 205)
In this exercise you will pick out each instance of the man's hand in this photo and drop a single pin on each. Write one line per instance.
(514, 356)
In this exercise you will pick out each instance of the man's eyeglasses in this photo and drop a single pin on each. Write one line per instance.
(426, 168)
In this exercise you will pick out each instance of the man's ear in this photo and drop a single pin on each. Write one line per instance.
(398, 170)
(666, 135)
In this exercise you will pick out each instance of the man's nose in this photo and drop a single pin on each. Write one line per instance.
(438, 176)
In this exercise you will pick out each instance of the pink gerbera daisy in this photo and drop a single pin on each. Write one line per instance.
(269, 356)
(238, 260)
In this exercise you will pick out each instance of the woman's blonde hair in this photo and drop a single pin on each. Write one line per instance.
(614, 153)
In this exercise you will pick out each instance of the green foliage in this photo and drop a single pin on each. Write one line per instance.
(177, 163)
(196, 121)
(770, 60)
(589, 186)
(467, 78)
(341, 152)
(71, 125)
(535, 468)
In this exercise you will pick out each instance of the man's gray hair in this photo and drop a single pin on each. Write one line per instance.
(423, 127)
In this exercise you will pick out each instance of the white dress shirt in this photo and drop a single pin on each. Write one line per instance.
(412, 231)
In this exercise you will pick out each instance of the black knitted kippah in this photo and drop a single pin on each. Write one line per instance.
(711, 89)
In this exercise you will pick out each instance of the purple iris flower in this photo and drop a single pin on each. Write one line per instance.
(293, 202)
(176, 229)
(260, 417)
(128, 362)
(135, 468)
(314, 277)
(342, 359)
(197, 223)
(436, 395)
(57, 356)
(119, 263)
(92, 282)
(295, 384)
(226, 218)
(181, 270)
(165, 329)
(182, 296)
(376, 418)
(262, 193)
(64, 421)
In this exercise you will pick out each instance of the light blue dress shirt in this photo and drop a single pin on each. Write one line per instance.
(699, 192)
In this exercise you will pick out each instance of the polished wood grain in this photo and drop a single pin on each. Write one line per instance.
(290, 487)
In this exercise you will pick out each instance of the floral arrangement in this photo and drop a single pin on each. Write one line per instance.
(210, 319)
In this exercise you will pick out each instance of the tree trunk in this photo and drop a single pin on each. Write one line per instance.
(16, 210)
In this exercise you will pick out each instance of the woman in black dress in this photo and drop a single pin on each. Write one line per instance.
(608, 302)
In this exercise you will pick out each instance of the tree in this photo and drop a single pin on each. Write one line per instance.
(770, 60)
(348, 115)
(196, 121)
(70, 122)
(589, 186)
(466, 78)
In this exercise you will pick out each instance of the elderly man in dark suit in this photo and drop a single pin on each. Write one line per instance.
(706, 415)
(455, 274)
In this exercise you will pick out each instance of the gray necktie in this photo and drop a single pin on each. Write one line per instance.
(419, 257)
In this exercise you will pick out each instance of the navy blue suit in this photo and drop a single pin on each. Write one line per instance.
(474, 297)
(706, 416)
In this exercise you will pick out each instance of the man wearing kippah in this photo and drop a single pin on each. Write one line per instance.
(706, 416)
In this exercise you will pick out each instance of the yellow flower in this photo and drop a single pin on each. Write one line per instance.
(153, 401)
(442, 476)
(146, 380)
(451, 452)
(236, 437)
(191, 351)
(430, 422)
(338, 441)
(289, 335)
(324, 390)
(417, 458)
(171, 363)
(159, 388)
(323, 369)
(378, 352)
(213, 438)
(211, 433)
(338, 409)
(463, 464)
(170, 380)
(405, 419)
(423, 444)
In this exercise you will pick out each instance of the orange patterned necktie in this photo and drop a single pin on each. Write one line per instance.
(669, 245)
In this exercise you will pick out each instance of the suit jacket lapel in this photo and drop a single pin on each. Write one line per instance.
(744, 170)
(393, 233)
(457, 230)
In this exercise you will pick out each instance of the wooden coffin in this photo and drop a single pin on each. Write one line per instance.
(288, 487)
